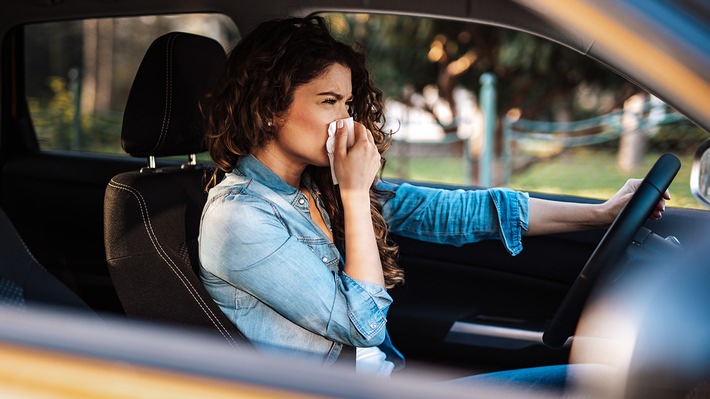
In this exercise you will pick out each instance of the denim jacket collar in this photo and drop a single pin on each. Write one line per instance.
(249, 165)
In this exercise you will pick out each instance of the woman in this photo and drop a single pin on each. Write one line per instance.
(275, 230)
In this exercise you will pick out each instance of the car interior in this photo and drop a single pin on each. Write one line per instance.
(152, 215)
(118, 234)
(24, 281)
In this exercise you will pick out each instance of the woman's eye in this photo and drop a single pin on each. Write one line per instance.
(330, 101)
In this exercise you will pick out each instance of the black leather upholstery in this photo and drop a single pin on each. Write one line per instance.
(161, 116)
(152, 216)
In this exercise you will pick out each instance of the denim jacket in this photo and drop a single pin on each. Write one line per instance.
(280, 280)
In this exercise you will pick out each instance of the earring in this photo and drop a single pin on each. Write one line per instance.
(269, 123)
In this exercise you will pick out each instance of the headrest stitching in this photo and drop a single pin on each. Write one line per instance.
(168, 92)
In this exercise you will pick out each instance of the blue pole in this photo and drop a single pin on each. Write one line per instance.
(507, 136)
(488, 108)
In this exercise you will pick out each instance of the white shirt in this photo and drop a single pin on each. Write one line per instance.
(372, 361)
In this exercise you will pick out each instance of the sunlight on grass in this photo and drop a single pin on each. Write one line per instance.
(448, 170)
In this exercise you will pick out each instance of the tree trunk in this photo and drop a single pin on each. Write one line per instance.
(88, 73)
(104, 77)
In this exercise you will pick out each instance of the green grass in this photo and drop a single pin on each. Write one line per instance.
(449, 170)
(584, 173)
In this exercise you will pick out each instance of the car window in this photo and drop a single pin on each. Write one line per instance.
(472, 104)
(79, 73)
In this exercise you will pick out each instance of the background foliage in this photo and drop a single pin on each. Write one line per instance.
(79, 74)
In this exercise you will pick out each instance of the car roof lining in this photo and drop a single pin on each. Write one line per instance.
(506, 14)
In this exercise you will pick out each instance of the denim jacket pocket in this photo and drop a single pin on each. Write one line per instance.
(325, 250)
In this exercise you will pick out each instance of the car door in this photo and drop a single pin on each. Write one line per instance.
(478, 307)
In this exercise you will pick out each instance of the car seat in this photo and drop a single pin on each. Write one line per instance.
(24, 281)
(152, 215)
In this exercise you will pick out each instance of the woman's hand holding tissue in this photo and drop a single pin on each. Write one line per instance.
(355, 165)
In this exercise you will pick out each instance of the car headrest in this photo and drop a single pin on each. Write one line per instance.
(162, 116)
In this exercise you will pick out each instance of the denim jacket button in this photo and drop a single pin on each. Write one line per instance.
(325, 260)
(373, 325)
(301, 201)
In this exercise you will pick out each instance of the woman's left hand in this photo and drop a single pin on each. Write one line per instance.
(616, 203)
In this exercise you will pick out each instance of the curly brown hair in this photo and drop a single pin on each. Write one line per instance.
(262, 72)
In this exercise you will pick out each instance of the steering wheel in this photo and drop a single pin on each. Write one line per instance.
(611, 248)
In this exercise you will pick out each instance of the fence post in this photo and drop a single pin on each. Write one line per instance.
(488, 108)
(634, 136)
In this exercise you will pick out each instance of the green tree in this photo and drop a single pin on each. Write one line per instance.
(534, 74)
(541, 79)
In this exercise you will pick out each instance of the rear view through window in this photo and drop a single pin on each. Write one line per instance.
(79, 73)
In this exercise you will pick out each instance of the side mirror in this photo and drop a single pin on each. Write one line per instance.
(700, 174)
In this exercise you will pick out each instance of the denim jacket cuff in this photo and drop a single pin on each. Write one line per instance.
(368, 304)
(512, 208)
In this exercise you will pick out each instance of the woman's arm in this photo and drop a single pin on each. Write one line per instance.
(356, 168)
(547, 217)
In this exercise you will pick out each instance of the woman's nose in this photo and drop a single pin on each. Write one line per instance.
(346, 112)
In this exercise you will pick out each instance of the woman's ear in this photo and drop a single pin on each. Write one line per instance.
(276, 122)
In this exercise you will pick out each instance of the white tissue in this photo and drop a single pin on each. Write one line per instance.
(330, 143)
(372, 361)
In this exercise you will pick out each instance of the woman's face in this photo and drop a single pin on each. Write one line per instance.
(304, 129)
